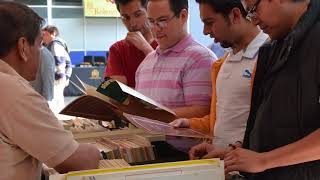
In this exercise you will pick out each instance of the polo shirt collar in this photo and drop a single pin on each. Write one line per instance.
(7, 69)
(251, 51)
(179, 47)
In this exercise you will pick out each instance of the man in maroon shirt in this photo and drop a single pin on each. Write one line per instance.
(126, 55)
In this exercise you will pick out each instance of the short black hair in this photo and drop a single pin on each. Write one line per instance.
(177, 6)
(224, 7)
(124, 2)
(17, 20)
(52, 30)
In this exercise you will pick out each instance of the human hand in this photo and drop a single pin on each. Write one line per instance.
(180, 123)
(245, 160)
(206, 151)
(137, 39)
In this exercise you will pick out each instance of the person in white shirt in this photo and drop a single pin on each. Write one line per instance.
(231, 76)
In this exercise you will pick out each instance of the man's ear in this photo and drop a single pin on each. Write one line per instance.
(23, 47)
(184, 15)
(235, 16)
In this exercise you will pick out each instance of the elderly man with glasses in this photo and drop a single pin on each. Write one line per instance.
(282, 135)
(177, 73)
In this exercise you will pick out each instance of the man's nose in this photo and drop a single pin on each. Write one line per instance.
(155, 28)
(206, 31)
(133, 25)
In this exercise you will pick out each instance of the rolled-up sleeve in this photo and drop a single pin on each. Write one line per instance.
(32, 126)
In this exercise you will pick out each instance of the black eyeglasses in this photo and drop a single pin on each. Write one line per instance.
(252, 13)
(161, 23)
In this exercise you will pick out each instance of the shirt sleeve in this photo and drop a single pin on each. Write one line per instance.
(197, 81)
(31, 126)
(201, 124)
(62, 61)
(114, 65)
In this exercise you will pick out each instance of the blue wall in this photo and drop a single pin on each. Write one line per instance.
(77, 56)
(196, 25)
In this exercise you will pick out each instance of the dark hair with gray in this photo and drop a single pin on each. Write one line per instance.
(177, 6)
(224, 7)
(17, 20)
(124, 2)
(52, 30)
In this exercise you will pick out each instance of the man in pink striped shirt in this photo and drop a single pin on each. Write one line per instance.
(177, 73)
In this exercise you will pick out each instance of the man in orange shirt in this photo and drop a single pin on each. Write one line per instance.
(231, 76)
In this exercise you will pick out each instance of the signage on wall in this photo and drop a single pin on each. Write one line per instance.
(100, 8)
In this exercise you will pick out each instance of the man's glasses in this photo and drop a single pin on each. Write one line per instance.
(161, 23)
(252, 13)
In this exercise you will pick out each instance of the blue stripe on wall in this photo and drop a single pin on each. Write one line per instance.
(77, 56)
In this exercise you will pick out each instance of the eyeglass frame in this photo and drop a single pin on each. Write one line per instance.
(157, 23)
(252, 13)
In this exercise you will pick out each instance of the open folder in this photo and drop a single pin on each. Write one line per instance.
(211, 169)
(114, 100)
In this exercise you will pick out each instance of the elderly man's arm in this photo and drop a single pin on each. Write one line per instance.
(85, 157)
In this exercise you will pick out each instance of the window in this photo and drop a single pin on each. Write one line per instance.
(32, 2)
(41, 11)
(67, 2)
(67, 13)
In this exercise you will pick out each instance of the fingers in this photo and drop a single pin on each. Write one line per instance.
(228, 157)
(232, 168)
(230, 162)
(130, 36)
(235, 165)
(195, 151)
(134, 34)
(147, 26)
(175, 123)
(212, 154)
(136, 38)
(192, 153)
(199, 151)
(236, 161)
(180, 123)
(217, 153)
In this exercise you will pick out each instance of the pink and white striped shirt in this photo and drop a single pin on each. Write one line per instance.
(179, 76)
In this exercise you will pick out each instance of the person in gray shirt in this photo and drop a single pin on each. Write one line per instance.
(44, 82)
